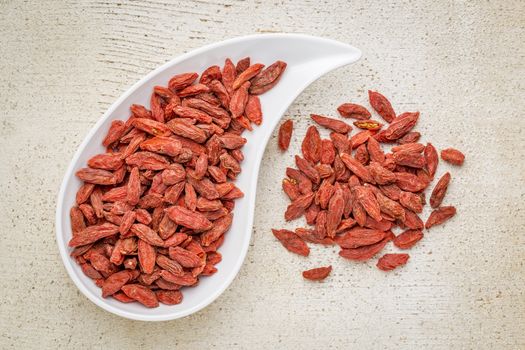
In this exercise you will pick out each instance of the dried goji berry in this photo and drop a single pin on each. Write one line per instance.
(390, 261)
(317, 274)
(285, 134)
(453, 156)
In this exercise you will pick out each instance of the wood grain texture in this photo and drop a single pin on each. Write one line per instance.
(460, 63)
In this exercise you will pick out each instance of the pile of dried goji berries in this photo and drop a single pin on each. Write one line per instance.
(354, 194)
(155, 207)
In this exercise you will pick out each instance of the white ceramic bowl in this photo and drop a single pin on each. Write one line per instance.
(307, 57)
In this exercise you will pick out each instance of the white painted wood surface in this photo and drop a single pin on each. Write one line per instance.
(62, 63)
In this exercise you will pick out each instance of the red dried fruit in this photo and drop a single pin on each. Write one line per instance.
(343, 145)
(253, 110)
(181, 81)
(169, 297)
(142, 294)
(390, 207)
(214, 258)
(360, 138)
(220, 226)
(84, 192)
(139, 111)
(192, 132)
(409, 137)
(185, 280)
(247, 74)
(364, 253)
(359, 213)
(409, 147)
(358, 237)
(453, 156)
(390, 261)
(324, 170)
(190, 197)
(391, 191)
(348, 198)
(311, 145)
(292, 242)
(210, 74)
(439, 191)
(147, 234)
(368, 124)
(352, 110)
(133, 187)
(123, 298)
(381, 105)
(157, 112)
(127, 220)
(152, 127)
(305, 185)
(408, 239)
(368, 201)
(291, 189)
(164, 92)
(298, 206)
(327, 152)
(192, 113)
(162, 145)
(232, 141)
(410, 159)
(308, 169)
(313, 236)
(96, 176)
(106, 161)
(77, 220)
(401, 125)
(175, 239)
(92, 234)
(90, 271)
(431, 159)
(317, 274)
(134, 144)
(332, 124)
(228, 75)
(374, 151)
(285, 134)
(439, 216)
(335, 212)
(411, 201)
(114, 282)
(115, 132)
(221, 92)
(267, 78)
(381, 175)
(413, 221)
(188, 218)
(324, 193)
(147, 161)
(116, 194)
(89, 213)
(239, 100)
(361, 155)
(169, 265)
(184, 257)
(409, 182)
(357, 168)
(383, 225)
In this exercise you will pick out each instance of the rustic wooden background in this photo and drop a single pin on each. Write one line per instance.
(461, 63)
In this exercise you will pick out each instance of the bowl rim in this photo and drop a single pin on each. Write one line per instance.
(65, 256)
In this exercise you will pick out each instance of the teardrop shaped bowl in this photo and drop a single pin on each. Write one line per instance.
(307, 57)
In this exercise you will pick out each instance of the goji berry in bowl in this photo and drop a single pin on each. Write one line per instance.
(127, 290)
